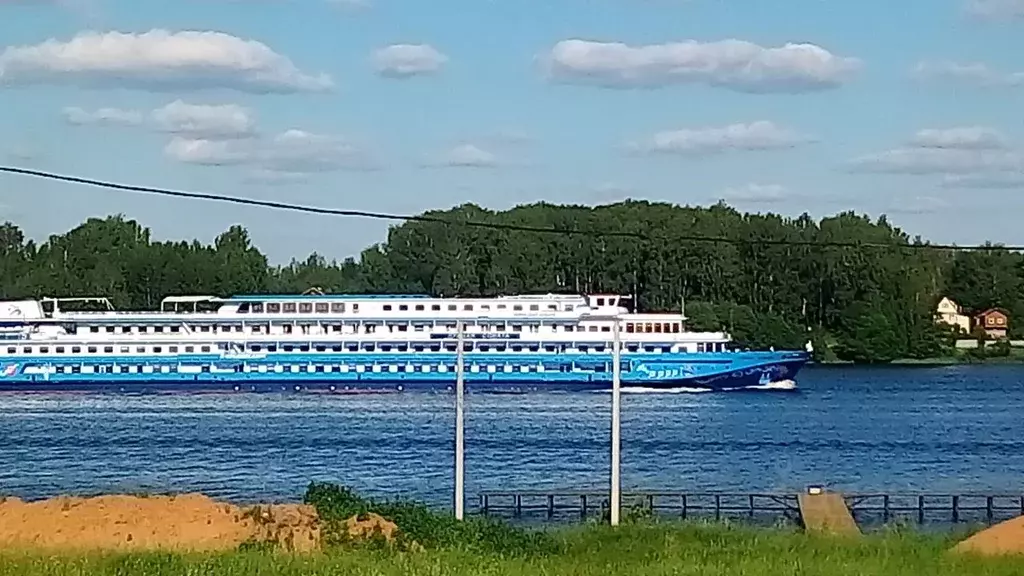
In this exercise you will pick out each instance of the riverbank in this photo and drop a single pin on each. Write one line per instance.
(1016, 356)
(626, 550)
(355, 536)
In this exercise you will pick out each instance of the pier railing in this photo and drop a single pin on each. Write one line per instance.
(868, 509)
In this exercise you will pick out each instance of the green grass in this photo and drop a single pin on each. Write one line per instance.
(629, 550)
(487, 547)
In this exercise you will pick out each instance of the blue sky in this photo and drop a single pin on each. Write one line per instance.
(908, 108)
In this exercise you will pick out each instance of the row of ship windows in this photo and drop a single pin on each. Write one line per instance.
(631, 327)
(373, 368)
(340, 307)
(368, 347)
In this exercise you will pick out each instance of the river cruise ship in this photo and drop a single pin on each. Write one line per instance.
(339, 343)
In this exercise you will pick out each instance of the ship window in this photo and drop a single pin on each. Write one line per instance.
(273, 307)
(257, 308)
(467, 307)
(110, 329)
(59, 350)
(403, 307)
(485, 306)
(204, 328)
(355, 308)
(570, 328)
(657, 328)
(288, 307)
(387, 307)
(435, 307)
(517, 307)
(94, 329)
(501, 306)
(338, 307)
(26, 350)
(305, 308)
(606, 328)
(125, 349)
(419, 307)
(304, 348)
(140, 349)
(592, 329)
(190, 349)
(12, 350)
(700, 347)
(205, 349)
(157, 349)
(403, 328)
(158, 328)
(675, 327)
(552, 306)
(175, 329)
(568, 307)
(517, 328)
(126, 329)
(322, 307)
(600, 301)
(452, 307)
(172, 349)
(499, 327)
(630, 327)
(108, 349)
(76, 349)
(44, 350)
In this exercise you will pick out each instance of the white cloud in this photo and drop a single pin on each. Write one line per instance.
(939, 161)
(735, 64)
(467, 156)
(406, 60)
(953, 151)
(996, 8)
(964, 138)
(995, 181)
(354, 5)
(918, 205)
(102, 116)
(292, 151)
(760, 135)
(756, 193)
(157, 60)
(199, 121)
(968, 72)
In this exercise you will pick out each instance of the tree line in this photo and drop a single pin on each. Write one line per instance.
(866, 304)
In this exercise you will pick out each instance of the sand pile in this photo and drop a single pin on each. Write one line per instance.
(1003, 538)
(185, 522)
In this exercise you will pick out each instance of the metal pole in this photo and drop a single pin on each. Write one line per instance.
(616, 399)
(460, 436)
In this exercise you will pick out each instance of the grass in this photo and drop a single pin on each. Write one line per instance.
(629, 550)
(485, 547)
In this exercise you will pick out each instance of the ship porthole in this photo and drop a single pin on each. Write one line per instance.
(400, 388)
(297, 388)
(237, 387)
(333, 387)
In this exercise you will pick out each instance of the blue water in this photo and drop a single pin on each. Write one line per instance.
(947, 429)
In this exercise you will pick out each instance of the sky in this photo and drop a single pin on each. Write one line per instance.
(910, 109)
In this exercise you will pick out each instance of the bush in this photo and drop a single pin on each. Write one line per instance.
(429, 528)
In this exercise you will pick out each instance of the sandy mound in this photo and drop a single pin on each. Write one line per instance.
(366, 527)
(1003, 538)
(185, 522)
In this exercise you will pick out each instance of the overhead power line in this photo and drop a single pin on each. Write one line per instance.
(477, 224)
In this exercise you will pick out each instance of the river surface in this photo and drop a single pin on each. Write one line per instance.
(945, 429)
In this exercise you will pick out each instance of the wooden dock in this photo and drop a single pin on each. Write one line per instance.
(827, 513)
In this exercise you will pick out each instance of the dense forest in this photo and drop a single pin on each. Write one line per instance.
(863, 303)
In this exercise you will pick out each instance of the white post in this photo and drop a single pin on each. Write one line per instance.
(460, 438)
(616, 398)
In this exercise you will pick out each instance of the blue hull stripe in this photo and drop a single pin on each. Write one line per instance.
(312, 371)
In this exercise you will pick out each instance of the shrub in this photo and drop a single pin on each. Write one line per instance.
(429, 528)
